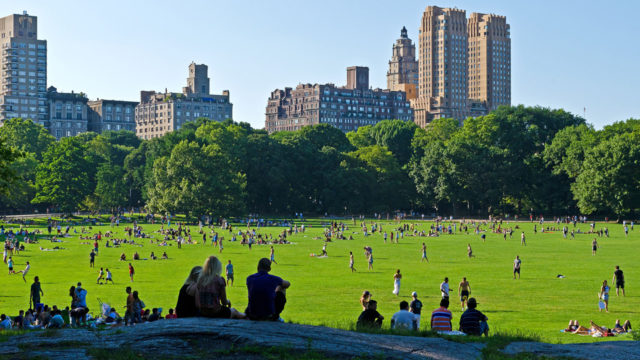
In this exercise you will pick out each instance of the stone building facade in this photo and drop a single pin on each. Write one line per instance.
(112, 115)
(347, 108)
(67, 113)
(160, 113)
(23, 72)
(403, 66)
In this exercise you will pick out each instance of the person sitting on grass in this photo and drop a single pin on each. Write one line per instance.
(403, 319)
(171, 315)
(370, 318)
(267, 293)
(472, 321)
(441, 317)
(5, 322)
(210, 292)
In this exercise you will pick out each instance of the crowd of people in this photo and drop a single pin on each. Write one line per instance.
(204, 294)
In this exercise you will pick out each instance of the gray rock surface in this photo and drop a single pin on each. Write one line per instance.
(628, 350)
(211, 337)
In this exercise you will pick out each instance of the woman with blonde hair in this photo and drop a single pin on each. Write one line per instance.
(211, 294)
(186, 306)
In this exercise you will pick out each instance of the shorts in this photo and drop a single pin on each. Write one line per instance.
(620, 284)
(229, 277)
(594, 248)
(516, 270)
(464, 295)
(10, 268)
(223, 313)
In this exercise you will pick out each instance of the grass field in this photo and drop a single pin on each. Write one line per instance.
(324, 291)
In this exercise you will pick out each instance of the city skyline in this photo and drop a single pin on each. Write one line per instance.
(554, 63)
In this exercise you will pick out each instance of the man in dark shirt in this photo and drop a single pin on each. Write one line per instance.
(370, 317)
(266, 293)
(618, 278)
(416, 307)
(36, 291)
(472, 321)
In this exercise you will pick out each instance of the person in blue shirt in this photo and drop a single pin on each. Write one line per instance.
(266, 294)
(229, 273)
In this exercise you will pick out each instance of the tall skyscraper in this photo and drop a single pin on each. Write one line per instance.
(24, 69)
(489, 60)
(403, 66)
(464, 65)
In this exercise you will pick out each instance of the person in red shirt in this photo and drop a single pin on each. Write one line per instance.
(131, 272)
(441, 317)
(171, 315)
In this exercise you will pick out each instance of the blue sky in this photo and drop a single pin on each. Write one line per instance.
(565, 54)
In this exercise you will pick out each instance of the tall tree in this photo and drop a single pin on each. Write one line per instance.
(62, 178)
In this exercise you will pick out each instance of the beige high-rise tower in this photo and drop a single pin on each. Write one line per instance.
(23, 90)
(489, 60)
(442, 90)
(465, 65)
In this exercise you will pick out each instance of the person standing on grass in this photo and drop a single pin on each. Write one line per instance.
(523, 241)
(273, 255)
(92, 258)
(36, 291)
(109, 277)
(416, 308)
(618, 279)
(604, 295)
(131, 272)
(10, 265)
(229, 273)
(220, 244)
(370, 260)
(100, 275)
(424, 253)
(594, 246)
(464, 289)
(516, 266)
(444, 288)
(351, 261)
(469, 251)
(25, 271)
(396, 282)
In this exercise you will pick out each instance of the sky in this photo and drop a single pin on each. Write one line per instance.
(565, 54)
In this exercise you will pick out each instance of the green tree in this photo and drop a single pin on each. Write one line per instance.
(111, 190)
(62, 178)
(197, 180)
(610, 177)
(26, 136)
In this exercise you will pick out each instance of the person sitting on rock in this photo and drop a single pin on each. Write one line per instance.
(370, 318)
(472, 321)
(404, 319)
(266, 293)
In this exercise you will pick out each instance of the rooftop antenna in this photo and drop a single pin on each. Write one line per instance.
(584, 112)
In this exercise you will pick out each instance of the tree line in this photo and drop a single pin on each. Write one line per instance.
(515, 160)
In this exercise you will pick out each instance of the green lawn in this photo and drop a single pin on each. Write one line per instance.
(324, 291)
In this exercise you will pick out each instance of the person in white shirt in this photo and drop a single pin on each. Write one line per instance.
(25, 271)
(444, 288)
(404, 319)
